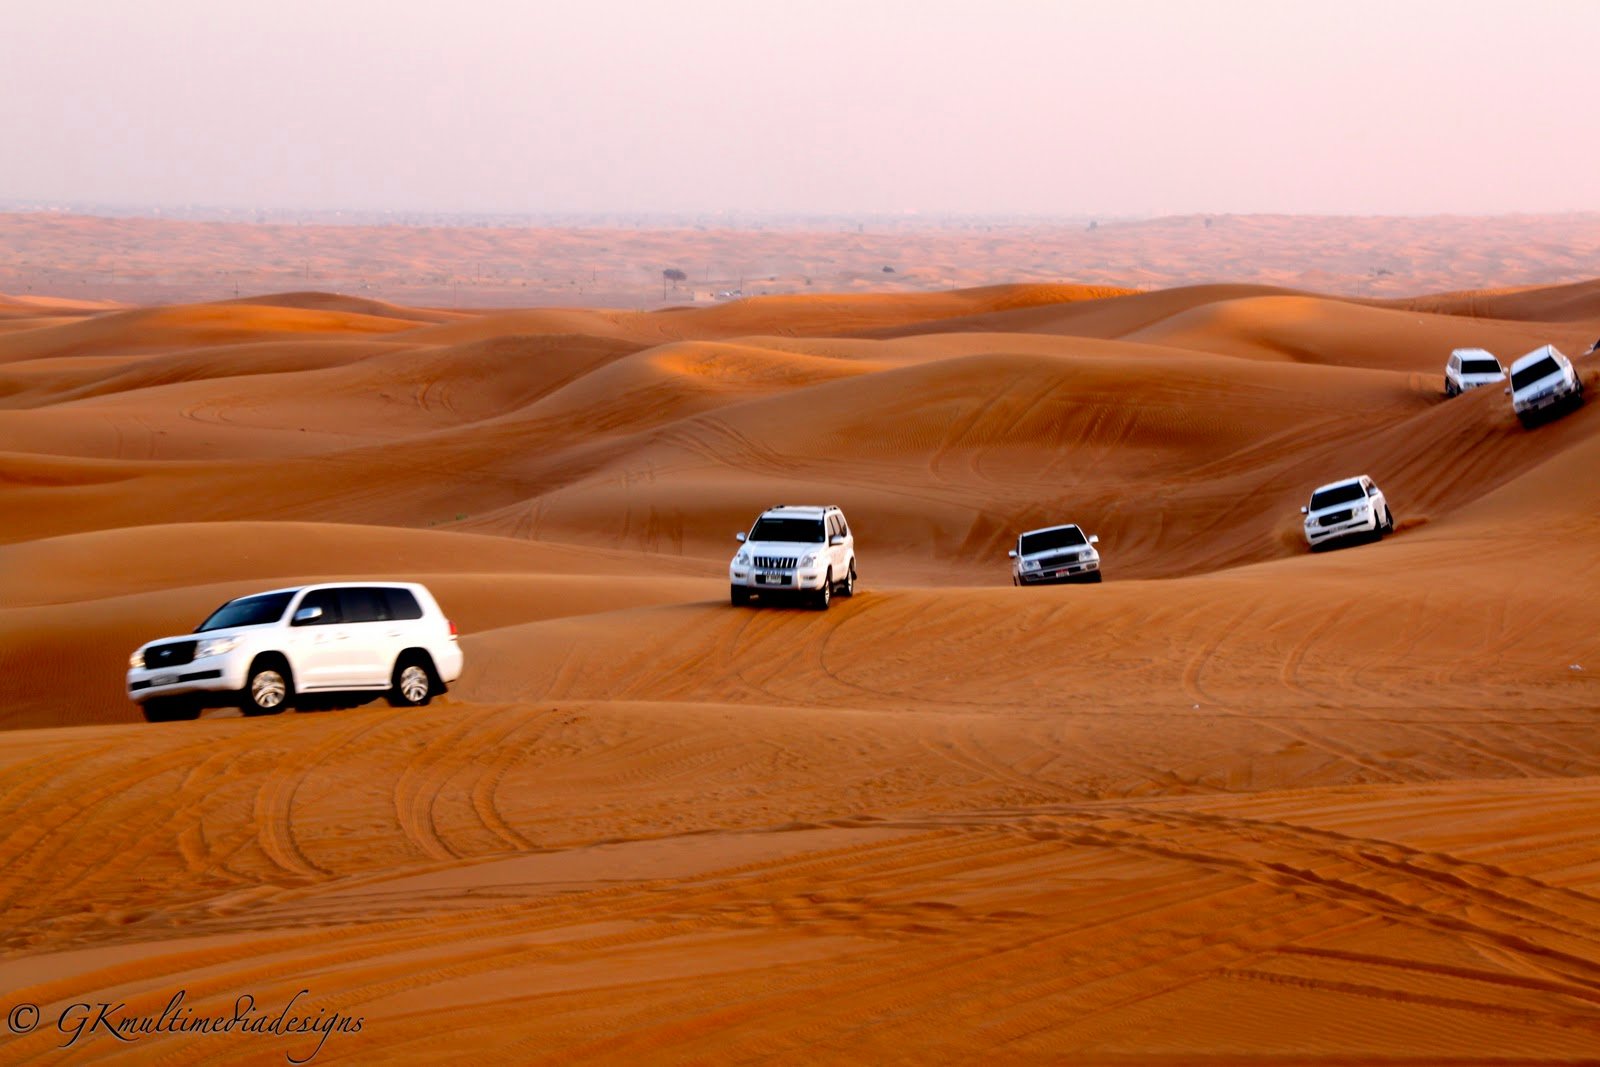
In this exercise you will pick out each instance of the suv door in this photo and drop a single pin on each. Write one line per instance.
(374, 640)
(319, 648)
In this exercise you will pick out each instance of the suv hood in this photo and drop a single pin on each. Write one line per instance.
(782, 548)
(209, 635)
(1047, 553)
(1351, 505)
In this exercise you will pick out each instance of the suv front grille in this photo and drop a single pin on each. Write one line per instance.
(1335, 519)
(776, 563)
(169, 655)
(1059, 560)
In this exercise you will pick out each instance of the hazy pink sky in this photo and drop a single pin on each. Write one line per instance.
(822, 106)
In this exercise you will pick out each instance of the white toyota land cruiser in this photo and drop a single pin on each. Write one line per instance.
(1351, 508)
(805, 549)
(260, 651)
(1468, 368)
(1542, 382)
(1055, 554)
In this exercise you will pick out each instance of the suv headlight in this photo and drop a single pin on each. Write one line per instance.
(136, 661)
(216, 646)
(742, 559)
(806, 561)
(1030, 564)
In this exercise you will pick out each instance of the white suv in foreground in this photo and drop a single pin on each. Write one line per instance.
(1354, 507)
(1468, 368)
(1055, 554)
(1542, 382)
(260, 651)
(804, 549)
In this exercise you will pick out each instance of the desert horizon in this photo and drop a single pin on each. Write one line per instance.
(506, 262)
(1237, 803)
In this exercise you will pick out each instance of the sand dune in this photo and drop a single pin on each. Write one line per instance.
(1239, 803)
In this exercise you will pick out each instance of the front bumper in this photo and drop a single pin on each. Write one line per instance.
(775, 581)
(212, 674)
(1069, 572)
(1361, 524)
(1542, 401)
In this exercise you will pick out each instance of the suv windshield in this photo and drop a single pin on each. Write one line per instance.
(1480, 366)
(806, 531)
(1534, 371)
(1045, 540)
(1339, 494)
(248, 611)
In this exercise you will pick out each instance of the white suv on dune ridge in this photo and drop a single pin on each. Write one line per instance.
(1543, 382)
(1055, 554)
(1354, 507)
(1469, 368)
(261, 651)
(795, 548)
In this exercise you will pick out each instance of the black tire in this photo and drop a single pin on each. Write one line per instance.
(268, 688)
(848, 586)
(413, 683)
(739, 595)
(823, 597)
(170, 709)
(1388, 520)
(1093, 578)
(1449, 388)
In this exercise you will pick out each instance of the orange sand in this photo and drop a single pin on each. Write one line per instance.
(1239, 804)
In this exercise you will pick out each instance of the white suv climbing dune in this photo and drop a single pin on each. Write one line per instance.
(795, 549)
(262, 651)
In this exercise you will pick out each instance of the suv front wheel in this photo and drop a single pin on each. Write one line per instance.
(824, 596)
(269, 688)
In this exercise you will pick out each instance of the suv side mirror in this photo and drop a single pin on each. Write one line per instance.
(836, 540)
(1508, 390)
(739, 536)
(1012, 553)
(1094, 539)
(307, 615)
(1305, 511)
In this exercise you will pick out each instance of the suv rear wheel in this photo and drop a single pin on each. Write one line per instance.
(848, 587)
(269, 688)
(412, 684)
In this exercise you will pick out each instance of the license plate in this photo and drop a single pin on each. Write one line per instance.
(164, 679)
(772, 579)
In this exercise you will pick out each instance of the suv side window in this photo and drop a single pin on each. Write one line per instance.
(844, 529)
(328, 601)
(402, 605)
(361, 604)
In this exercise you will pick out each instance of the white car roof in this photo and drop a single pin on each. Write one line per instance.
(804, 511)
(1337, 484)
(1475, 353)
(1537, 354)
(1047, 529)
(331, 585)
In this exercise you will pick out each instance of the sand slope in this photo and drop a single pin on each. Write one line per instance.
(1240, 803)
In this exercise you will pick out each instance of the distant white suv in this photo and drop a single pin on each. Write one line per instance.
(1542, 382)
(1055, 554)
(261, 651)
(1468, 368)
(804, 549)
(1351, 508)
